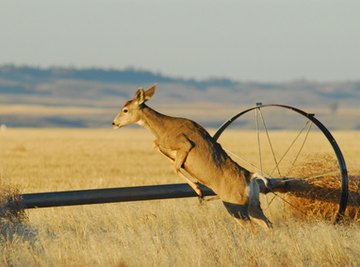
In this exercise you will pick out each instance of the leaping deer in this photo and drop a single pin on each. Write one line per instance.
(191, 148)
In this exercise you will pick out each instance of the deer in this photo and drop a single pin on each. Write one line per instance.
(194, 153)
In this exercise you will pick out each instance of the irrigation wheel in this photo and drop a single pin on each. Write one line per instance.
(280, 141)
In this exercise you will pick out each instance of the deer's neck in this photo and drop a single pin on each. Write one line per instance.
(153, 121)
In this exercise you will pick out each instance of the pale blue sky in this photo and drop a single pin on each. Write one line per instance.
(272, 40)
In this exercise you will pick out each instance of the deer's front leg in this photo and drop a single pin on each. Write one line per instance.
(179, 159)
(184, 146)
(177, 151)
(170, 155)
(193, 185)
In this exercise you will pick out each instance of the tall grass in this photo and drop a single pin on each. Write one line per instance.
(177, 232)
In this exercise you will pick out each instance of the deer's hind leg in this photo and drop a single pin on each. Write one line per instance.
(254, 210)
(239, 212)
(242, 216)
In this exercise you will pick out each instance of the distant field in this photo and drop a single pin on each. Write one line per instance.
(154, 233)
(208, 114)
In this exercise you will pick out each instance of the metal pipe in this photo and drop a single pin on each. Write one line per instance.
(298, 187)
(107, 195)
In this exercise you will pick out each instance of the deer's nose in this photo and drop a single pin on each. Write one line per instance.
(113, 123)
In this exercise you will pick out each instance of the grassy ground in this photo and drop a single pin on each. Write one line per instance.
(151, 233)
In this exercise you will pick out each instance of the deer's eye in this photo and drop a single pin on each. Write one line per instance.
(125, 110)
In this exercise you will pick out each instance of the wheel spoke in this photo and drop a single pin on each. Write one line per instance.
(307, 124)
(256, 168)
(258, 139)
(301, 148)
(320, 175)
(270, 143)
(287, 202)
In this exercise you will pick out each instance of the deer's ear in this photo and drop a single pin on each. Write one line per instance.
(140, 96)
(150, 91)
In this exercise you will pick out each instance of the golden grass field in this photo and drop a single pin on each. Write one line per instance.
(178, 232)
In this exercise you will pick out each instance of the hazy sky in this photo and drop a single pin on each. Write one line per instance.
(269, 40)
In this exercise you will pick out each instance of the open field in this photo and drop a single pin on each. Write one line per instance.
(209, 114)
(155, 233)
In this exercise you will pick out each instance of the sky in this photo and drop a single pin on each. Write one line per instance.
(268, 40)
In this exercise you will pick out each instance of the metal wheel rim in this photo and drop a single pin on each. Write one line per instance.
(340, 158)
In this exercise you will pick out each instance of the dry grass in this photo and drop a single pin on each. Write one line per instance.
(10, 210)
(155, 233)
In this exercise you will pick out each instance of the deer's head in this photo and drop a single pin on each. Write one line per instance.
(131, 111)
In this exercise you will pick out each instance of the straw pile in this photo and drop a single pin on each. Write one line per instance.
(320, 195)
